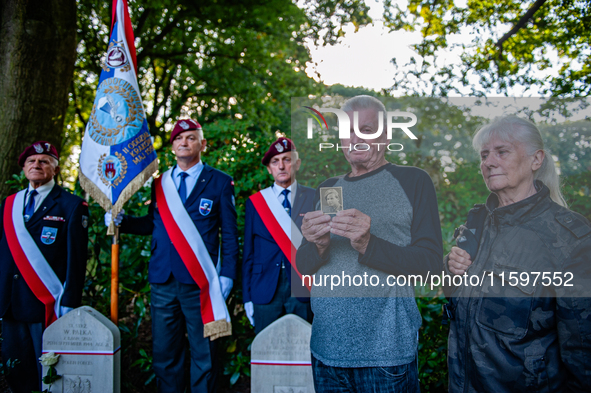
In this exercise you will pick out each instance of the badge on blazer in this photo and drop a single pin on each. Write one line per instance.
(205, 206)
(48, 235)
(84, 221)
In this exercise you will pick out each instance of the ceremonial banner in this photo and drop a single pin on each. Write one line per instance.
(117, 153)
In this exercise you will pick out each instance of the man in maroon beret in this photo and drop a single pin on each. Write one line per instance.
(43, 250)
(266, 269)
(189, 199)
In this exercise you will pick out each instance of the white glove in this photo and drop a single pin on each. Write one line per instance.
(249, 308)
(64, 310)
(117, 220)
(226, 284)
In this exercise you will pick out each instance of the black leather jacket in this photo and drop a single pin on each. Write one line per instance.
(517, 330)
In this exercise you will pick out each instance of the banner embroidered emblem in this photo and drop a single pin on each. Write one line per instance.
(117, 114)
(112, 169)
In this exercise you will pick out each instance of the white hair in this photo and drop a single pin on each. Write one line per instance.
(513, 128)
(365, 102)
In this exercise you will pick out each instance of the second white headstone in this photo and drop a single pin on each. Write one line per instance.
(280, 357)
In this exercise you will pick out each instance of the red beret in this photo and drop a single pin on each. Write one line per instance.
(41, 147)
(182, 126)
(281, 145)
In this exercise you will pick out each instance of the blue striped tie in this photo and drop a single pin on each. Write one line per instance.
(286, 203)
(30, 208)
(183, 187)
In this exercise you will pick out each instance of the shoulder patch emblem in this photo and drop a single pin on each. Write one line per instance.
(84, 221)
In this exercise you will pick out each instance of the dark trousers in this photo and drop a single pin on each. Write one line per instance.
(281, 304)
(396, 379)
(176, 310)
(22, 341)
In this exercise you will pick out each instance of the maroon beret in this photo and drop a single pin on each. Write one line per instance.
(281, 145)
(182, 126)
(41, 147)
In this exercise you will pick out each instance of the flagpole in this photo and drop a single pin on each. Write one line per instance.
(115, 277)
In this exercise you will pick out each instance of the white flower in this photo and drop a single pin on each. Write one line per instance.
(49, 359)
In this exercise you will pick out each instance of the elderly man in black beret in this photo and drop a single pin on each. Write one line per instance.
(272, 224)
(43, 251)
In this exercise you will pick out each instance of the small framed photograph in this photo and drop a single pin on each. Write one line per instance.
(331, 199)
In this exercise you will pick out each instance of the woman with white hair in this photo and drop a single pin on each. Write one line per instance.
(520, 317)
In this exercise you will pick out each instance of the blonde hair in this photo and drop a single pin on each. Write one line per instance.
(513, 128)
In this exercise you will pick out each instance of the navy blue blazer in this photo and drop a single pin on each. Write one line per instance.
(212, 185)
(66, 252)
(262, 257)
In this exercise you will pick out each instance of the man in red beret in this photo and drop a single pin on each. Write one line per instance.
(43, 250)
(192, 204)
(272, 225)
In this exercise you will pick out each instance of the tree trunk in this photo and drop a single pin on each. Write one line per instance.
(37, 55)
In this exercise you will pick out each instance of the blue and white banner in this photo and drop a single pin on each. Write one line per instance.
(117, 153)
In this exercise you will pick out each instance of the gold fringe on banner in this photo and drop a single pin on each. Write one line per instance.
(133, 186)
(217, 329)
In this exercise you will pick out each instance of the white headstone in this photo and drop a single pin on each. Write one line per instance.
(89, 345)
(280, 357)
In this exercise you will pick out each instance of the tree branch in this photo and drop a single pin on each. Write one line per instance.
(520, 23)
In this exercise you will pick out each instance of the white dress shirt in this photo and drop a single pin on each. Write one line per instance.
(190, 180)
(43, 191)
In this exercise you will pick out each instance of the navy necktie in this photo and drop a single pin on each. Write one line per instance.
(286, 204)
(183, 187)
(30, 208)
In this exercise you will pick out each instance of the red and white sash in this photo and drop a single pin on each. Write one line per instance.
(279, 224)
(31, 263)
(193, 252)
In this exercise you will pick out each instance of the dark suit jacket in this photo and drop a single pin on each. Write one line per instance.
(262, 256)
(66, 255)
(214, 185)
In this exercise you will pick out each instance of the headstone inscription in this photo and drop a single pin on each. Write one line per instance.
(89, 346)
(280, 357)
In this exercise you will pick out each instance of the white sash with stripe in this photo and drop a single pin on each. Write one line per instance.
(187, 227)
(34, 255)
(284, 220)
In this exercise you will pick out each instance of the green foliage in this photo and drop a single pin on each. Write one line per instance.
(6, 367)
(212, 60)
(49, 378)
(512, 44)
(432, 344)
(576, 190)
(17, 182)
(134, 289)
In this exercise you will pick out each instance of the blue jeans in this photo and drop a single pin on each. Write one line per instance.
(396, 379)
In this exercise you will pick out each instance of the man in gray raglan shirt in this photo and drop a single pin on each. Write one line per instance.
(365, 334)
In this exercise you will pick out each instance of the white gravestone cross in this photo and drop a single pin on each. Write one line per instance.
(89, 345)
(280, 357)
